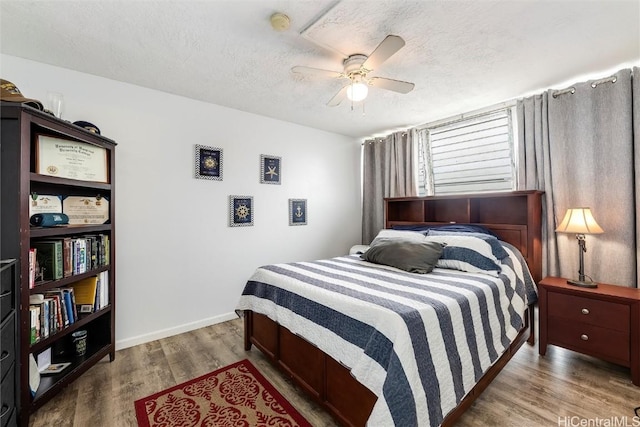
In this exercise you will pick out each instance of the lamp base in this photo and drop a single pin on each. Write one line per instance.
(583, 283)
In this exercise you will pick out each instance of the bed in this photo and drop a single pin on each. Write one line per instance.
(380, 345)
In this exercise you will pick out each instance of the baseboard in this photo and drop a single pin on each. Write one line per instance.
(164, 333)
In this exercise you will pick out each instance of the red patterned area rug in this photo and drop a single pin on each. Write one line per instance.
(236, 395)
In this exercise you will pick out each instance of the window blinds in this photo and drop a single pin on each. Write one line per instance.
(470, 155)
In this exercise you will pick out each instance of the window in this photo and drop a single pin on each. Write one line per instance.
(469, 154)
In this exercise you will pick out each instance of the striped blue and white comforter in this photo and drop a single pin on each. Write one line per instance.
(418, 342)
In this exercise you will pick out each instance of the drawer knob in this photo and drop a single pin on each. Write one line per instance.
(584, 337)
(585, 311)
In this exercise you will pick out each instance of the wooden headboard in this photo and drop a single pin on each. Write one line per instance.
(515, 217)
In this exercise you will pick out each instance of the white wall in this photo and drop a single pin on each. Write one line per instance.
(179, 265)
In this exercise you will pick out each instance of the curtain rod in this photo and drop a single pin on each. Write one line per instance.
(570, 90)
(506, 104)
(611, 79)
(594, 84)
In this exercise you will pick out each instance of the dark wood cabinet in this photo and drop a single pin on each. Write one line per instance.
(9, 282)
(603, 322)
(21, 127)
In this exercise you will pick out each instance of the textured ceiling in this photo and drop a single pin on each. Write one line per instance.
(461, 55)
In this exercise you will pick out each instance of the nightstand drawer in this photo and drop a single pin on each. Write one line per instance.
(603, 314)
(589, 339)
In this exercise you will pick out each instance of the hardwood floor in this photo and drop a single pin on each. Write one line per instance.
(530, 391)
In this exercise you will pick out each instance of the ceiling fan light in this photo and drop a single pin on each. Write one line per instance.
(357, 92)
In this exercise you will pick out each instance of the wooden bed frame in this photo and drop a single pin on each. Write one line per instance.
(514, 216)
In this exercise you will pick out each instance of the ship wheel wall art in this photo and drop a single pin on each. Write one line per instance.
(240, 211)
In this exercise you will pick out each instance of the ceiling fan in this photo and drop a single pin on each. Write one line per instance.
(356, 69)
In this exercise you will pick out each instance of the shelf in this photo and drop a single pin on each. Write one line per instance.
(36, 177)
(43, 344)
(41, 287)
(51, 384)
(67, 230)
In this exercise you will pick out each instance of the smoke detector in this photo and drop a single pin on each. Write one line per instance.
(280, 22)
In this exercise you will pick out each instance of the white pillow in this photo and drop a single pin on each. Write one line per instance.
(388, 234)
(467, 253)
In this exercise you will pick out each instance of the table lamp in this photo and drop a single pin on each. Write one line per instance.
(580, 221)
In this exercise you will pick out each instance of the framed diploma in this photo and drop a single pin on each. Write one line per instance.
(208, 162)
(297, 211)
(270, 169)
(71, 159)
(83, 210)
(42, 203)
(240, 211)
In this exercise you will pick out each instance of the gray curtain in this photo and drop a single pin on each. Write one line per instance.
(578, 146)
(389, 170)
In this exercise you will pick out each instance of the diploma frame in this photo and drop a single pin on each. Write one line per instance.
(208, 162)
(66, 158)
(270, 169)
(85, 210)
(240, 211)
(297, 211)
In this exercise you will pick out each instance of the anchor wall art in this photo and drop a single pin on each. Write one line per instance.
(297, 211)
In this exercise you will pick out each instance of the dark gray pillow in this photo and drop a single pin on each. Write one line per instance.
(414, 257)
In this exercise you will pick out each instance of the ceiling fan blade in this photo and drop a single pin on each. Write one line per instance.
(390, 84)
(337, 99)
(317, 72)
(388, 47)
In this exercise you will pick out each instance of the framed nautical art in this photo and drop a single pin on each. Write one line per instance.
(297, 211)
(240, 211)
(208, 162)
(270, 169)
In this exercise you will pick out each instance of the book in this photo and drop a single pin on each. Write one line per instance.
(67, 251)
(73, 303)
(102, 292)
(107, 249)
(53, 324)
(34, 312)
(92, 249)
(55, 368)
(45, 367)
(32, 267)
(105, 288)
(85, 292)
(34, 323)
(58, 296)
(68, 303)
(44, 319)
(50, 257)
(79, 255)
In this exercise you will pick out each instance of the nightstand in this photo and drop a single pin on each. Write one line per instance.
(603, 322)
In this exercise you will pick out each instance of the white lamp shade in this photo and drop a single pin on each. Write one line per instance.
(357, 92)
(579, 221)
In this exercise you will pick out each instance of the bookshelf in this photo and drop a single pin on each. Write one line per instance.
(21, 176)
